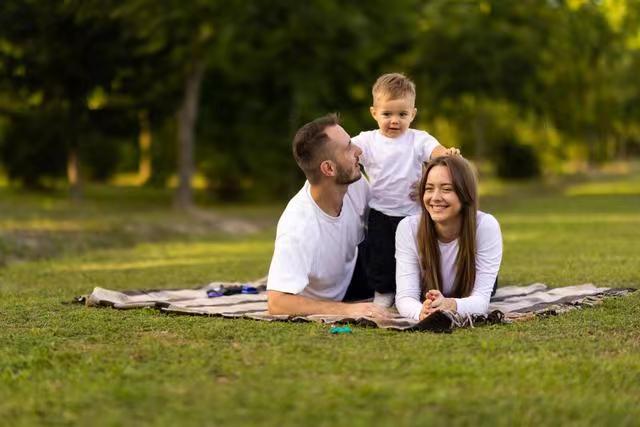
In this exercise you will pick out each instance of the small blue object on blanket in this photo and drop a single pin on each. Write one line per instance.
(214, 293)
(248, 289)
(220, 291)
(340, 330)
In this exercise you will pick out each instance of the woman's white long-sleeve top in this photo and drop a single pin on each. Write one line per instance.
(488, 258)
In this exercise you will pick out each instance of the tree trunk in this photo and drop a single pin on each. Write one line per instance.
(293, 183)
(144, 143)
(186, 116)
(591, 139)
(73, 175)
(478, 125)
(622, 147)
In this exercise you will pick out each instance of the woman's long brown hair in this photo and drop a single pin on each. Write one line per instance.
(466, 187)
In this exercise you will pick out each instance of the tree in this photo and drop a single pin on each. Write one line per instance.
(475, 53)
(57, 59)
(193, 35)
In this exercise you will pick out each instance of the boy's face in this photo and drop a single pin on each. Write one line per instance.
(394, 116)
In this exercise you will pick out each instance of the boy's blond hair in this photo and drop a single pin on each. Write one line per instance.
(393, 86)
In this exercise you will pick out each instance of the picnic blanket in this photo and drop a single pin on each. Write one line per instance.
(509, 304)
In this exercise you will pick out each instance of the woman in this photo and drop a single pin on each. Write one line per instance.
(448, 257)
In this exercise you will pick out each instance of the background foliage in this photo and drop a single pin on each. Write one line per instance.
(528, 87)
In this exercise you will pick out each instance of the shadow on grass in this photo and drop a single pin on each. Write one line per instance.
(43, 226)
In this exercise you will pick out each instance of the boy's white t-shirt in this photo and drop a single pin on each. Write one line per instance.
(393, 165)
(408, 276)
(315, 253)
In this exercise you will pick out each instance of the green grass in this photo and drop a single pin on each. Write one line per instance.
(66, 364)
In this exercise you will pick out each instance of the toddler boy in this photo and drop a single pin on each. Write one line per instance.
(392, 156)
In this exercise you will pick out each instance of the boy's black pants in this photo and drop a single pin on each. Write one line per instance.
(381, 238)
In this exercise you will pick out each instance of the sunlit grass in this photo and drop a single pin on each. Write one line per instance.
(132, 179)
(622, 187)
(67, 364)
(166, 255)
(198, 182)
(585, 218)
(47, 224)
(491, 187)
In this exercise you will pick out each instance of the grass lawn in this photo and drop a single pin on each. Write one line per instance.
(66, 364)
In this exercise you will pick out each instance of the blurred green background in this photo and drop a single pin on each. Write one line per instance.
(207, 94)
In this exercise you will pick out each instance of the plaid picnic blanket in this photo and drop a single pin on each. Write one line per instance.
(509, 304)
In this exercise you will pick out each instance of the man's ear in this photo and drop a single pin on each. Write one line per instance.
(328, 168)
(372, 110)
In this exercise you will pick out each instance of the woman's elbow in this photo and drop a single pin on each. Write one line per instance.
(478, 307)
(483, 307)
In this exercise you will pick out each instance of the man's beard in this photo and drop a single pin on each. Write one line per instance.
(343, 177)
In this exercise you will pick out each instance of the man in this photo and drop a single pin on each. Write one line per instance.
(317, 265)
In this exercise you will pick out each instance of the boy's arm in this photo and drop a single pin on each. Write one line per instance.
(431, 147)
(440, 151)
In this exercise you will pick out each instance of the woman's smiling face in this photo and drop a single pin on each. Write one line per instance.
(440, 198)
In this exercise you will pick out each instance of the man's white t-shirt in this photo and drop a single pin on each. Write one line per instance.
(408, 277)
(315, 253)
(393, 165)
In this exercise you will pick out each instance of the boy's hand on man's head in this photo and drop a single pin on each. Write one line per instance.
(452, 151)
(441, 151)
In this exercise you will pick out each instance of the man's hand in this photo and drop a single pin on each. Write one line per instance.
(289, 304)
(368, 309)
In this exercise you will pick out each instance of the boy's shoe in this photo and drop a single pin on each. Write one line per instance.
(384, 300)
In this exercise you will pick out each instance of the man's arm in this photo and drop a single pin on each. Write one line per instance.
(284, 303)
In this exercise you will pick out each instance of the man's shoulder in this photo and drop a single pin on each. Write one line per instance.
(298, 212)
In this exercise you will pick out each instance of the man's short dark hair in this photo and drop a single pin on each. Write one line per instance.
(310, 145)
